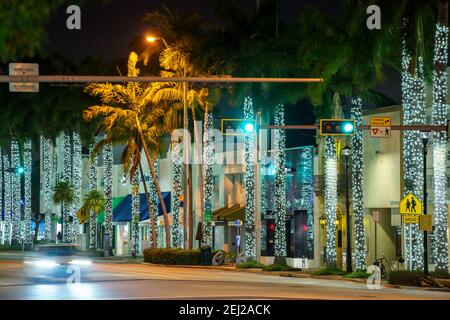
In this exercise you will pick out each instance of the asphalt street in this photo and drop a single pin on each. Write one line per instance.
(118, 280)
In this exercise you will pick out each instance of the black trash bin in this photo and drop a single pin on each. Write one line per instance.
(205, 256)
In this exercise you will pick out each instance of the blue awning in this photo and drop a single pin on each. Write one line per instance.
(122, 212)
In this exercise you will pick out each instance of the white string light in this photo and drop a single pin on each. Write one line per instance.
(1, 196)
(249, 181)
(153, 195)
(439, 117)
(28, 232)
(357, 186)
(177, 164)
(135, 208)
(7, 200)
(47, 175)
(280, 183)
(208, 165)
(330, 199)
(67, 177)
(413, 100)
(76, 181)
(92, 187)
(16, 193)
(108, 175)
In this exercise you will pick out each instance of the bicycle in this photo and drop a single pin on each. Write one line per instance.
(379, 263)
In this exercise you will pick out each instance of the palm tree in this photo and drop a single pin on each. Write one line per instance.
(63, 194)
(129, 117)
(94, 202)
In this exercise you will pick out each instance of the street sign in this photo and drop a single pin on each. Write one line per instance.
(236, 223)
(380, 127)
(24, 69)
(407, 218)
(410, 205)
(426, 223)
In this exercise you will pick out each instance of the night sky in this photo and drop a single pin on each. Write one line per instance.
(107, 29)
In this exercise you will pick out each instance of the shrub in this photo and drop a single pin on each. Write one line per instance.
(279, 267)
(10, 248)
(440, 274)
(357, 274)
(331, 271)
(407, 278)
(250, 264)
(174, 256)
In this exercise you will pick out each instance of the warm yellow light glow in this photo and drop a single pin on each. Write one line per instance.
(151, 39)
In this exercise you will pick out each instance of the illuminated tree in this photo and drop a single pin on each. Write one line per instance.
(177, 164)
(16, 192)
(108, 176)
(28, 231)
(47, 183)
(440, 152)
(280, 183)
(76, 181)
(249, 180)
(208, 166)
(93, 158)
(6, 239)
(135, 210)
(330, 200)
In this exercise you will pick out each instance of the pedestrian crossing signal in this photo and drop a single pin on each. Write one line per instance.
(337, 127)
(410, 205)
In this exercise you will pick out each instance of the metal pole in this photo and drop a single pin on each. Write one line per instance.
(425, 195)
(375, 241)
(185, 173)
(120, 79)
(349, 235)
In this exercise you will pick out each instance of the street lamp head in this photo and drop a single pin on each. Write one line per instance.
(151, 39)
(346, 151)
(249, 127)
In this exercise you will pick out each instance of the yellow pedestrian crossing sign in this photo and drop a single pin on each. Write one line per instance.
(407, 218)
(410, 205)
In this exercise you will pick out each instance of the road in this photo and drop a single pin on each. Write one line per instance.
(114, 280)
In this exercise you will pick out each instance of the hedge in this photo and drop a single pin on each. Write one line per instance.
(173, 256)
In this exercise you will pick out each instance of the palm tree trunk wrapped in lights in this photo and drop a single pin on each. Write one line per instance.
(16, 193)
(439, 117)
(135, 208)
(413, 100)
(7, 223)
(67, 177)
(357, 186)
(330, 200)
(28, 232)
(177, 165)
(280, 183)
(76, 181)
(1, 194)
(249, 180)
(153, 193)
(92, 186)
(208, 163)
(108, 175)
(47, 174)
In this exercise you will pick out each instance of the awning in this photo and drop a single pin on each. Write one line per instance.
(122, 212)
(115, 203)
(235, 212)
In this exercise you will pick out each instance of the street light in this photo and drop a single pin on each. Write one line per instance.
(153, 39)
(346, 151)
(425, 139)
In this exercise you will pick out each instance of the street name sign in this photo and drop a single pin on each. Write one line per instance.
(426, 223)
(380, 127)
(407, 218)
(410, 205)
(24, 69)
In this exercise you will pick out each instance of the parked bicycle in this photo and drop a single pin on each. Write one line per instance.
(379, 263)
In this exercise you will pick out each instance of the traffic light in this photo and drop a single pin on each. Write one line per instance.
(237, 127)
(337, 127)
(20, 170)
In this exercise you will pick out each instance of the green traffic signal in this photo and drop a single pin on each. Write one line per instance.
(337, 127)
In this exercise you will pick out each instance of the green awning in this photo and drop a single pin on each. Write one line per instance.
(115, 202)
